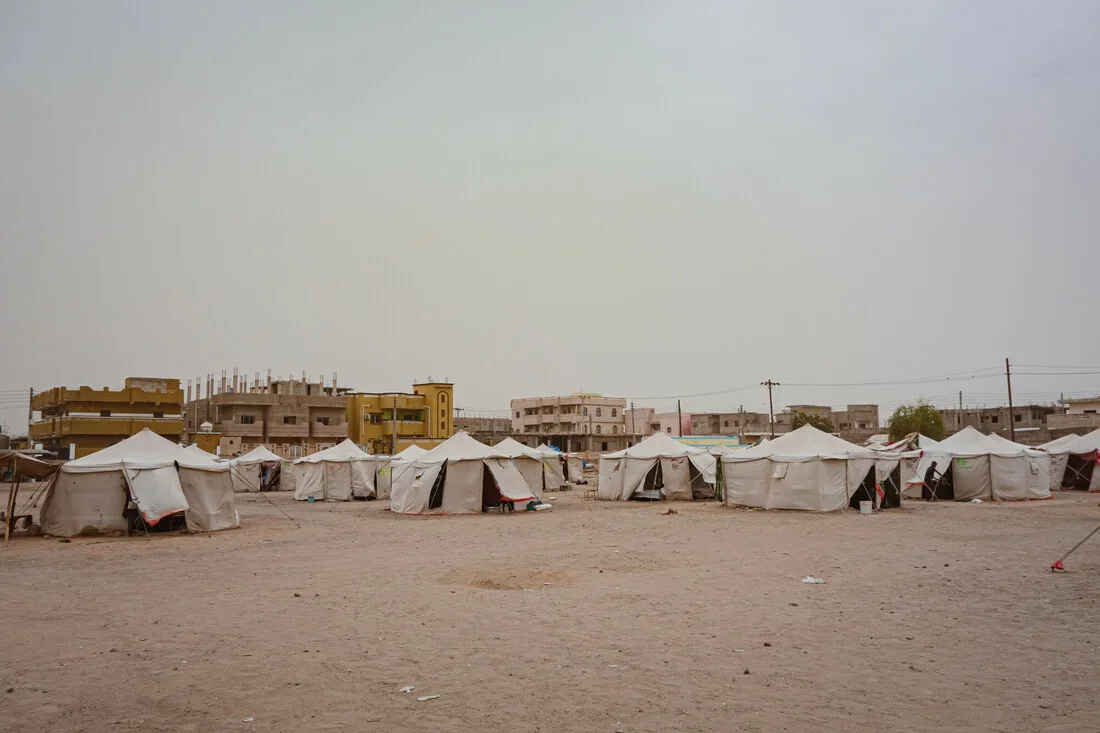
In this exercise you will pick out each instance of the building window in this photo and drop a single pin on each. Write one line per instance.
(290, 419)
(603, 445)
(993, 419)
(599, 428)
(584, 411)
(1088, 412)
(104, 413)
(375, 418)
(517, 414)
(668, 430)
(443, 398)
(322, 420)
(725, 423)
(248, 419)
(599, 412)
(614, 412)
(158, 414)
(1018, 418)
(442, 426)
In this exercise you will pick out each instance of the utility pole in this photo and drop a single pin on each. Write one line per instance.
(633, 434)
(959, 417)
(1011, 417)
(30, 415)
(680, 418)
(393, 448)
(771, 408)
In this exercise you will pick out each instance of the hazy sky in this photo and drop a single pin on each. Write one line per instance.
(644, 199)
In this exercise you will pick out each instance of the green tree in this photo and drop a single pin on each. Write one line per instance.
(919, 417)
(821, 423)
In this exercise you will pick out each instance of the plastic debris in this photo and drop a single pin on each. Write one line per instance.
(812, 580)
(425, 698)
(407, 688)
(249, 719)
(976, 501)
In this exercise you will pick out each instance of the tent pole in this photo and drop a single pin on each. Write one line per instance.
(9, 519)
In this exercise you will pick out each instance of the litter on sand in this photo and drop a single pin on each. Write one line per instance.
(407, 688)
(975, 501)
(425, 698)
(811, 579)
(249, 719)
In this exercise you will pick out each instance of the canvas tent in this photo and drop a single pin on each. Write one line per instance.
(977, 466)
(89, 495)
(657, 468)
(1073, 463)
(529, 461)
(809, 470)
(340, 473)
(460, 476)
(256, 470)
(555, 466)
(396, 470)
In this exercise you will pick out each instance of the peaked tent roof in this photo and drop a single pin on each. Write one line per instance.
(546, 450)
(970, 442)
(1055, 445)
(143, 450)
(658, 445)
(1087, 443)
(805, 443)
(515, 449)
(259, 454)
(411, 453)
(339, 453)
(460, 447)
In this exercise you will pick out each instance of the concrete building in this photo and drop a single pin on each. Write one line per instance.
(424, 416)
(581, 422)
(77, 422)
(641, 422)
(291, 417)
(489, 429)
(996, 419)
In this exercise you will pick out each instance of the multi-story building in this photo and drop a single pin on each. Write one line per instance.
(291, 417)
(1082, 415)
(996, 419)
(489, 429)
(641, 422)
(424, 416)
(582, 422)
(77, 422)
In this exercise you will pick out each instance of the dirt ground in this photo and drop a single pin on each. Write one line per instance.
(592, 617)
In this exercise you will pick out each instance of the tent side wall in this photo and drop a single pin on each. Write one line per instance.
(84, 503)
(971, 478)
(677, 478)
(246, 477)
(337, 480)
(745, 483)
(609, 486)
(462, 488)
(553, 473)
(532, 470)
(210, 504)
(309, 480)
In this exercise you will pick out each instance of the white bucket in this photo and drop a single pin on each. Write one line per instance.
(866, 507)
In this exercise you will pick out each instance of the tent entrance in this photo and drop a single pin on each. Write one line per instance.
(865, 491)
(945, 490)
(892, 488)
(435, 496)
(1079, 469)
(650, 489)
(700, 489)
(490, 492)
(269, 476)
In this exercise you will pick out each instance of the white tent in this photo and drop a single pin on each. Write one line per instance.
(89, 495)
(529, 461)
(398, 469)
(248, 470)
(805, 469)
(657, 468)
(339, 473)
(199, 451)
(1073, 462)
(555, 465)
(983, 467)
(460, 476)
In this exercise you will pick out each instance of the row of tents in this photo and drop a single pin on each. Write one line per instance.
(811, 470)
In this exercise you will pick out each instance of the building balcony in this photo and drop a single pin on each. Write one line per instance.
(109, 399)
(122, 426)
(238, 429)
(279, 430)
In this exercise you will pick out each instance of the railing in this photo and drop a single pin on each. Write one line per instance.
(69, 425)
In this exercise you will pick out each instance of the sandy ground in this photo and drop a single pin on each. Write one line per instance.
(593, 617)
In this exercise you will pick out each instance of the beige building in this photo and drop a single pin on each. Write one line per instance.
(291, 417)
(997, 420)
(578, 422)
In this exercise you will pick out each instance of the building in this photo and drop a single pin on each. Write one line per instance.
(77, 422)
(641, 422)
(1082, 415)
(581, 422)
(996, 419)
(424, 416)
(487, 429)
(291, 417)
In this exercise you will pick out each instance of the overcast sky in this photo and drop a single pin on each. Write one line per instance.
(643, 199)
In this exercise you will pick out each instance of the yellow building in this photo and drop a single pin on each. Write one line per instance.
(76, 422)
(425, 416)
